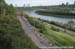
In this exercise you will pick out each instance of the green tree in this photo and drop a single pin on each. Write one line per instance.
(71, 23)
(3, 6)
(11, 9)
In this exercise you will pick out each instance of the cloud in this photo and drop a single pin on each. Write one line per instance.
(38, 2)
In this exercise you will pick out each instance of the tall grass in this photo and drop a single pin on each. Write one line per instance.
(12, 35)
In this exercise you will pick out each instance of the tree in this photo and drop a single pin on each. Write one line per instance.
(63, 4)
(2, 7)
(1, 4)
(11, 9)
(71, 23)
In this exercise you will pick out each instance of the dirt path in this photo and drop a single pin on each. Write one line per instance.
(33, 34)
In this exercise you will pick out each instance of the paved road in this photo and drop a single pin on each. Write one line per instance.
(34, 34)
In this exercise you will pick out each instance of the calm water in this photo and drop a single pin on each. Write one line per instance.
(50, 18)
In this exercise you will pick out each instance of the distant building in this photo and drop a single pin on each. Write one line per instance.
(24, 6)
(74, 2)
(28, 5)
(67, 3)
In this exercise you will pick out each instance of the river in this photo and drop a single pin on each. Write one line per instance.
(51, 18)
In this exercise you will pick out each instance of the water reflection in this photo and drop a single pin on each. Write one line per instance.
(50, 18)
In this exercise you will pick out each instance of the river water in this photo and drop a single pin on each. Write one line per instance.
(50, 18)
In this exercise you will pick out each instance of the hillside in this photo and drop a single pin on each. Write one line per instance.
(11, 34)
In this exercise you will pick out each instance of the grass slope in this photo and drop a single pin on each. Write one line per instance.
(57, 38)
(12, 35)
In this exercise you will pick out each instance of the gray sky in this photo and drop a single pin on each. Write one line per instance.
(38, 2)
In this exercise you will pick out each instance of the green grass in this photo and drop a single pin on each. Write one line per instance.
(61, 38)
(65, 26)
(57, 38)
(12, 35)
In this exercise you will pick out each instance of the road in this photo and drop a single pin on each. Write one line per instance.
(34, 34)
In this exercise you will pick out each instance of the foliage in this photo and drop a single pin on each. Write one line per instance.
(11, 33)
(67, 12)
(65, 26)
(6, 9)
(57, 38)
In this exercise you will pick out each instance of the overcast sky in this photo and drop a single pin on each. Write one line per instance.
(38, 2)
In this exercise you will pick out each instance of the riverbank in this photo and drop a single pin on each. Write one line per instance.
(55, 37)
(61, 25)
(56, 13)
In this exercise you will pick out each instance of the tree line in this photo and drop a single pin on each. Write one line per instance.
(11, 34)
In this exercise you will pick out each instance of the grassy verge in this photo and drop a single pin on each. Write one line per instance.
(57, 38)
(12, 35)
(65, 26)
